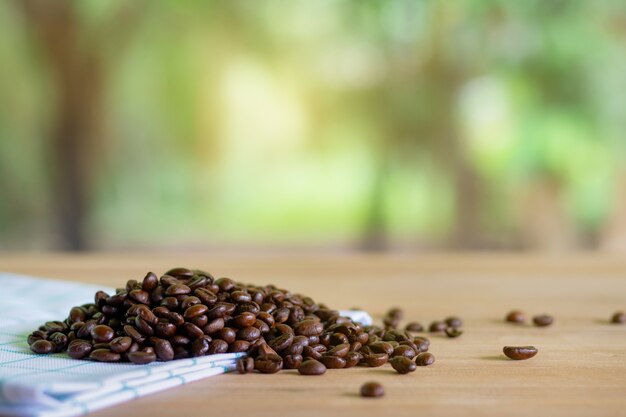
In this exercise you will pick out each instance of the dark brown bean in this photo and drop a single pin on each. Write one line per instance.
(79, 349)
(200, 346)
(425, 359)
(404, 350)
(245, 365)
(104, 355)
(42, 346)
(162, 329)
(59, 340)
(543, 320)
(249, 334)
(618, 317)
(414, 327)
(520, 353)
(376, 359)
(120, 344)
(437, 326)
(150, 282)
(177, 289)
(140, 296)
(309, 327)
(352, 359)
(218, 346)
(192, 330)
(102, 333)
(515, 316)
(453, 332)
(312, 367)
(163, 349)
(268, 364)
(372, 390)
(402, 364)
(245, 319)
(292, 361)
(333, 362)
(239, 346)
(195, 311)
(141, 358)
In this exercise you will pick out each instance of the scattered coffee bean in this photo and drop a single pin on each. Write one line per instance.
(453, 332)
(515, 316)
(372, 390)
(414, 327)
(425, 359)
(454, 322)
(618, 318)
(437, 326)
(519, 353)
(543, 320)
(402, 364)
(312, 367)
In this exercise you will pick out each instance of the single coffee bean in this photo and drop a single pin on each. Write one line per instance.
(180, 273)
(453, 321)
(292, 361)
(437, 326)
(239, 346)
(341, 350)
(404, 350)
(309, 327)
(163, 349)
(77, 314)
(311, 367)
(42, 346)
(140, 296)
(372, 390)
(519, 353)
(141, 358)
(333, 362)
(516, 316)
(177, 289)
(453, 332)
(143, 326)
(245, 319)
(352, 359)
(55, 326)
(422, 343)
(150, 282)
(414, 327)
(268, 364)
(192, 330)
(102, 333)
(425, 359)
(249, 334)
(104, 355)
(200, 346)
(218, 346)
(543, 320)
(59, 340)
(618, 318)
(402, 364)
(195, 311)
(382, 347)
(79, 349)
(163, 329)
(376, 359)
(121, 344)
(245, 365)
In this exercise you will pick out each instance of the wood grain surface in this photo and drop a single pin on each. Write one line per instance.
(580, 369)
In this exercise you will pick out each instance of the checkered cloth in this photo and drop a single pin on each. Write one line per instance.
(55, 385)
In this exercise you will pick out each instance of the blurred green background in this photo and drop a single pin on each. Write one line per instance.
(379, 125)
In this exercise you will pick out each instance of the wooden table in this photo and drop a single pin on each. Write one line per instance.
(580, 369)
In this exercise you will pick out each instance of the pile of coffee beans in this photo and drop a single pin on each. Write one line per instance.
(189, 313)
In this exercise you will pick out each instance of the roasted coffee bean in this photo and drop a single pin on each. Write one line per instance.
(85, 331)
(372, 390)
(352, 359)
(188, 301)
(59, 340)
(618, 318)
(425, 359)
(171, 303)
(227, 334)
(206, 296)
(214, 326)
(150, 282)
(414, 327)
(396, 313)
(543, 320)
(120, 344)
(376, 359)
(180, 273)
(239, 346)
(282, 342)
(55, 326)
(249, 334)
(163, 349)
(200, 321)
(311, 367)
(162, 329)
(515, 316)
(268, 364)
(340, 350)
(77, 314)
(102, 333)
(42, 346)
(422, 343)
(140, 296)
(382, 347)
(78, 349)
(453, 332)
(141, 358)
(405, 351)
(453, 321)
(309, 352)
(218, 346)
(437, 326)
(104, 355)
(37, 335)
(519, 353)
(177, 289)
(292, 361)
(192, 330)
(333, 362)
(200, 346)
(147, 315)
(195, 311)
(216, 312)
(402, 364)
(245, 320)
(143, 326)
(245, 365)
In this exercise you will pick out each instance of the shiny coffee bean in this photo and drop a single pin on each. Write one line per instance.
(404, 350)
(520, 353)
(402, 364)
(414, 327)
(245, 365)
(120, 344)
(311, 367)
(102, 333)
(376, 359)
(425, 359)
(42, 346)
(453, 332)
(104, 355)
(268, 364)
(141, 358)
(163, 349)
(79, 349)
(437, 326)
(515, 316)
